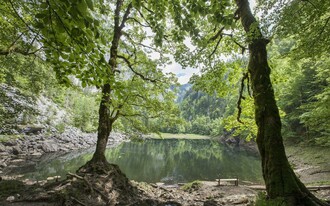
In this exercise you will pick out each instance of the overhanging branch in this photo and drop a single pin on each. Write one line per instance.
(19, 50)
(134, 71)
(125, 17)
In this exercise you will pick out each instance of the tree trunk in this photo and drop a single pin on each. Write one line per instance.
(105, 126)
(281, 182)
(105, 119)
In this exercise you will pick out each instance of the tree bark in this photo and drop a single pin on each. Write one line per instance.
(105, 126)
(281, 181)
(105, 119)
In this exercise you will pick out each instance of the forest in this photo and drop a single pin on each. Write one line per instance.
(99, 67)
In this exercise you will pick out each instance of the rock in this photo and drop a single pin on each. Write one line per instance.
(10, 143)
(64, 149)
(49, 146)
(16, 150)
(2, 148)
(49, 179)
(243, 200)
(36, 154)
(33, 130)
(237, 199)
(4, 154)
(210, 203)
(3, 164)
(16, 161)
(233, 140)
(10, 198)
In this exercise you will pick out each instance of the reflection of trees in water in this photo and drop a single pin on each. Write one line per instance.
(183, 160)
(167, 160)
(52, 165)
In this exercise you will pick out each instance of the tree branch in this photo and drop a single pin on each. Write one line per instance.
(216, 46)
(245, 76)
(146, 8)
(144, 18)
(236, 42)
(137, 21)
(135, 72)
(20, 51)
(219, 33)
(140, 44)
(117, 13)
(125, 17)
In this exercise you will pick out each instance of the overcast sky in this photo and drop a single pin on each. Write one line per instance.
(185, 74)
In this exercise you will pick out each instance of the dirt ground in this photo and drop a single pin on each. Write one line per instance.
(113, 188)
(108, 190)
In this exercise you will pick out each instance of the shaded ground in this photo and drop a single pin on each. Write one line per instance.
(113, 188)
(311, 163)
(103, 190)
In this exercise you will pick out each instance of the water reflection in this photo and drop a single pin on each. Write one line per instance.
(175, 160)
(156, 160)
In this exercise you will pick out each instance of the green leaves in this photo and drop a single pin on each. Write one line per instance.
(41, 15)
(82, 7)
(90, 4)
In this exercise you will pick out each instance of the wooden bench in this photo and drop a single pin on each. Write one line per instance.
(234, 180)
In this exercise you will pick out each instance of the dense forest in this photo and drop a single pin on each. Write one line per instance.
(98, 66)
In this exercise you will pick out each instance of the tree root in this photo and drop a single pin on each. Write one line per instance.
(90, 187)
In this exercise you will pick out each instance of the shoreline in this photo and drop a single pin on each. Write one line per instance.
(202, 193)
(34, 147)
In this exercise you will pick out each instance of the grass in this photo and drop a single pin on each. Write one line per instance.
(319, 183)
(310, 156)
(262, 200)
(192, 185)
(314, 155)
(5, 138)
(179, 136)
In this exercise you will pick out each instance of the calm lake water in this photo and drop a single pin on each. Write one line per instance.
(156, 160)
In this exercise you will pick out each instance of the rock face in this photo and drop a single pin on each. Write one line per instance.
(28, 113)
(71, 139)
(31, 146)
(14, 107)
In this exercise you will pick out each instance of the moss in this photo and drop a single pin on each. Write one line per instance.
(262, 200)
(5, 138)
(325, 182)
(192, 186)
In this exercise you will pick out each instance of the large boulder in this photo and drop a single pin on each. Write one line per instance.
(49, 146)
(16, 150)
(33, 130)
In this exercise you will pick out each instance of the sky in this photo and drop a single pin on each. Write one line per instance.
(184, 75)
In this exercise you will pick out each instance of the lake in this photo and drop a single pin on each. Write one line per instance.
(160, 160)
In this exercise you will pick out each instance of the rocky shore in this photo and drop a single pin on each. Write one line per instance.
(29, 146)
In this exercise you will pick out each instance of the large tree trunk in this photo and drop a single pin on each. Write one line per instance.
(105, 119)
(105, 126)
(281, 181)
